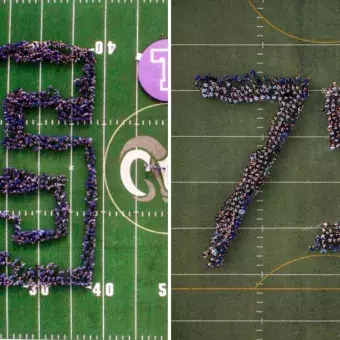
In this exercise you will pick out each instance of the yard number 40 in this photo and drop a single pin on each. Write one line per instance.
(99, 47)
(109, 289)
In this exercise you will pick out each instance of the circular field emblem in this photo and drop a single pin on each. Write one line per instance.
(153, 70)
(136, 169)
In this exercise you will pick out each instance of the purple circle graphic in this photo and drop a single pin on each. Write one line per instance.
(153, 70)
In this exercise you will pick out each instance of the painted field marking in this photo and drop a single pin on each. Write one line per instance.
(6, 202)
(103, 166)
(39, 161)
(136, 183)
(71, 169)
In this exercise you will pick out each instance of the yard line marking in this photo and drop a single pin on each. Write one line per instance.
(185, 90)
(259, 321)
(260, 109)
(268, 182)
(136, 180)
(6, 203)
(251, 228)
(103, 167)
(252, 45)
(71, 174)
(243, 136)
(39, 160)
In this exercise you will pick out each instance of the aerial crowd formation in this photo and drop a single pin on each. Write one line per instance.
(329, 240)
(290, 93)
(18, 181)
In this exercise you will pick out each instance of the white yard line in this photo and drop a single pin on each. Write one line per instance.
(169, 172)
(255, 274)
(184, 90)
(39, 165)
(268, 182)
(6, 203)
(258, 136)
(197, 90)
(257, 321)
(136, 180)
(103, 170)
(71, 177)
(252, 228)
(253, 45)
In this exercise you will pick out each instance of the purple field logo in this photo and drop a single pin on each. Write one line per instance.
(153, 70)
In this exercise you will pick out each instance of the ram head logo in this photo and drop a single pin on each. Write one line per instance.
(150, 151)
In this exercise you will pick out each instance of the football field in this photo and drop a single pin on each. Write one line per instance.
(270, 286)
(128, 298)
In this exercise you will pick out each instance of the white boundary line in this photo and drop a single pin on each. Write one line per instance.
(169, 172)
(71, 175)
(6, 203)
(39, 164)
(103, 167)
(136, 180)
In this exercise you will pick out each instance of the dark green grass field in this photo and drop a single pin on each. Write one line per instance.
(211, 142)
(129, 259)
